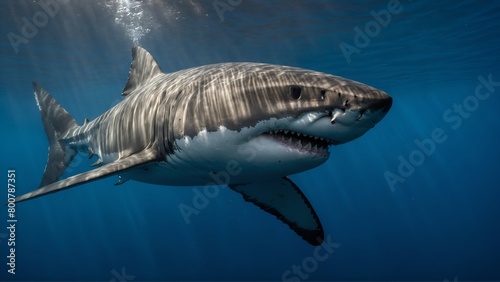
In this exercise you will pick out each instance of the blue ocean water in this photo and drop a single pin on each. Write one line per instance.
(416, 198)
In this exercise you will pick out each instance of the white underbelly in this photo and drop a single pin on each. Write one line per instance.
(224, 157)
(193, 174)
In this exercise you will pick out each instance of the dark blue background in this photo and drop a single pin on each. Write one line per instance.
(441, 223)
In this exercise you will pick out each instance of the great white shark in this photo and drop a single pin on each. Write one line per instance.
(181, 128)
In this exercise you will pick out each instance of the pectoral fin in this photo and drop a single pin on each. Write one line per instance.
(283, 199)
(145, 156)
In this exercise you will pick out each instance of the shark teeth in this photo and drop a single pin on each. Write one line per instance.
(301, 141)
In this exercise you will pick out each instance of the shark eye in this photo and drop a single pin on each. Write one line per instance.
(295, 92)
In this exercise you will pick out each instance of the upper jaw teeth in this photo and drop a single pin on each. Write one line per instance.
(301, 140)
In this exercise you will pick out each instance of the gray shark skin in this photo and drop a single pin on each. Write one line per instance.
(181, 128)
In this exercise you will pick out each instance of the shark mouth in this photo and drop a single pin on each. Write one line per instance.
(300, 141)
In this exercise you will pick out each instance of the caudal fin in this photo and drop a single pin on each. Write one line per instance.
(56, 122)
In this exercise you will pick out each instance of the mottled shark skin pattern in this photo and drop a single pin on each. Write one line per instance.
(180, 129)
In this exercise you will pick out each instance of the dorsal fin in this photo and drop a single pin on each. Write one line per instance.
(143, 68)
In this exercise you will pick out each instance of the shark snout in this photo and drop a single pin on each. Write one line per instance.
(372, 108)
(378, 101)
(355, 96)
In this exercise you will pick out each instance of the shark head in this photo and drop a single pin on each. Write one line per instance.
(270, 118)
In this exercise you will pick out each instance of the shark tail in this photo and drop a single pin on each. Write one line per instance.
(57, 122)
